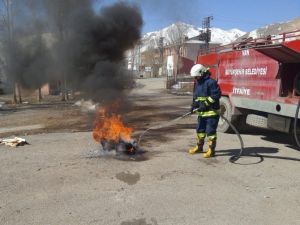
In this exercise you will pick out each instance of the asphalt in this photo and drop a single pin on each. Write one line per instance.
(65, 178)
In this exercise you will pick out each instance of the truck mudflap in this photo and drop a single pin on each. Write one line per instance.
(279, 123)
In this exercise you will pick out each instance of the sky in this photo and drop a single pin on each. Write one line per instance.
(245, 15)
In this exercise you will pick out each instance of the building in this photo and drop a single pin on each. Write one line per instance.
(173, 61)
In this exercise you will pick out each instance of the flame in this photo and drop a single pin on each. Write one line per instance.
(110, 127)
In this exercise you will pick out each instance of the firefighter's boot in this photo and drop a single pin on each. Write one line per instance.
(211, 148)
(198, 148)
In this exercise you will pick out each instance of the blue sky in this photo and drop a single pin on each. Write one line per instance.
(245, 15)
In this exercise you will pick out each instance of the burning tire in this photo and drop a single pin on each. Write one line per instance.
(126, 147)
(129, 148)
(226, 111)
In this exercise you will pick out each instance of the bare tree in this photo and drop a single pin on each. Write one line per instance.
(59, 12)
(158, 44)
(24, 51)
(7, 23)
(151, 58)
(35, 10)
(135, 54)
(177, 40)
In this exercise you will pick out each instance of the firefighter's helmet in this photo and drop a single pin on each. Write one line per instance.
(198, 70)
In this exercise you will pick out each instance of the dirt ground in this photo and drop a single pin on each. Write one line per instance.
(63, 177)
(52, 115)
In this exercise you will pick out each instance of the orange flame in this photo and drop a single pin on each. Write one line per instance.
(110, 128)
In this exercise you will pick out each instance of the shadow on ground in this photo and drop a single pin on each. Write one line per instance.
(260, 152)
(275, 137)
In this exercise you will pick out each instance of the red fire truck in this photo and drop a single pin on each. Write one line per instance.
(259, 79)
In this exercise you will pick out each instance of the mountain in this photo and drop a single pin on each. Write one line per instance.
(180, 29)
(273, 29)
(225, 36)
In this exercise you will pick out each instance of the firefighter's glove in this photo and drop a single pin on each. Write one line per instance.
(192, 110)
(202, 107)
(194, 106)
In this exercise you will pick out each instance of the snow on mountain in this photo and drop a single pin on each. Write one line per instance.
(179, 30)
(225, 36)
(274, 29)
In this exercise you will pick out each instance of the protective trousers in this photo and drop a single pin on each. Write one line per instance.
(207, 126)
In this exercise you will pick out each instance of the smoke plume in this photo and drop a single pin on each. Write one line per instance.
(82, 49)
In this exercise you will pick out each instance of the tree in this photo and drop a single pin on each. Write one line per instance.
(7, 24)
(177, 40)
(135, 54)
(68, 19)
(151, 59)
(26, 56)
(59, 13)
(36, 8)
(161, 51)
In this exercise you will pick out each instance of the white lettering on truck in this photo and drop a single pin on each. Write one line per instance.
(245, 52)
(241, 91)
(259, 71)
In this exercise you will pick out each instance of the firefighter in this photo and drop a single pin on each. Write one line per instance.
(206, 100)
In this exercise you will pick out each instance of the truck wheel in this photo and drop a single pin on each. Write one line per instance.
(226, 111)
(257, 121)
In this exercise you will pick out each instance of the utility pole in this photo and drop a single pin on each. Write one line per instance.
(206, 35)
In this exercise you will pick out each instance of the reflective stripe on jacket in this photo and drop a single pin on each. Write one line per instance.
(208, 91)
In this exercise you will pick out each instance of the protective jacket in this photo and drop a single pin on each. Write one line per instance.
(208, 92)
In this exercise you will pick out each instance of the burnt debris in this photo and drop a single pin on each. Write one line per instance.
(121, 147)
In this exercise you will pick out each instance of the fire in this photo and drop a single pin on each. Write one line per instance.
(110, 127)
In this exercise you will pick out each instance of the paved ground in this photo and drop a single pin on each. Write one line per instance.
(63, 178)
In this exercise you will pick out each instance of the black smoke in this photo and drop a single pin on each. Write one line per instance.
(93, 51)
(73, 44)
(24, 55)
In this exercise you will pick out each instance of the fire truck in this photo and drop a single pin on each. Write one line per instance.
(259, 79)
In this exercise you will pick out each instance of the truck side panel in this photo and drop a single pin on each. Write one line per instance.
(248, 73)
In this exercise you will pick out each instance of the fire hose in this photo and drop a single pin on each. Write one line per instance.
(232, 159)
(236, 157)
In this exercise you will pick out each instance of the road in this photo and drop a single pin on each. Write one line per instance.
(65, 178)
